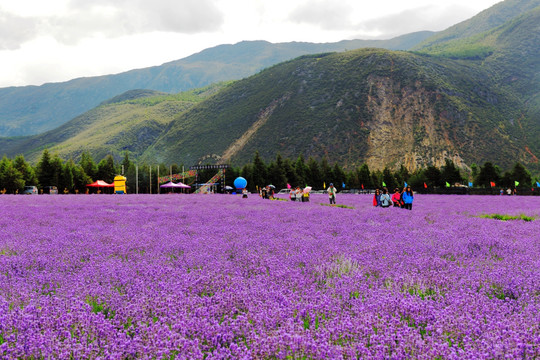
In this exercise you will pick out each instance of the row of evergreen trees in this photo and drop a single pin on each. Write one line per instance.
(73, 177)
(281, 172)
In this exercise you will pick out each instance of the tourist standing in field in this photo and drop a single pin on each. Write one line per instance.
(332, 193)
(305, 195)
(244, 193)
(407, 198)
(377, 198)
(298, 194)
(292, 194)
(385, 199)
(396, 198)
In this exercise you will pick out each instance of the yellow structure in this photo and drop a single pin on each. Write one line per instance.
(120, 184)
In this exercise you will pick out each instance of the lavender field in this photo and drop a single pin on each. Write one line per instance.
(220, 277)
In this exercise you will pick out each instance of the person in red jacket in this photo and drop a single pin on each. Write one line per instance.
(396, 198)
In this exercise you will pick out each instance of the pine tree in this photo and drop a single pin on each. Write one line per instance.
(290, 173)
(247, 173)
(106, 169)
(125, 162)
(276, 173)
(11, 179)
(450, 173)
(259, 171)
(364, 177)
(339, 176)
(326, 172)
(521, 175)
(433, 176)
(376, 179)
(67, 180)
(488, 173)
(80, 179)
(314, 177)
(88, 165)
(301, 170)
(27, 171)
(57, 165)
(46, 170)
(389, 179)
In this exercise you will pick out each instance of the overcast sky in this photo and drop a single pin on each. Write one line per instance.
(57, 40)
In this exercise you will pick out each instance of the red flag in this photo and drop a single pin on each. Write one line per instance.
(492, 184)
(425, 185)
(288, 186)
(362, 186)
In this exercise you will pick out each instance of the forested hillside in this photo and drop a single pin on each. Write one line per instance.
(31, 110)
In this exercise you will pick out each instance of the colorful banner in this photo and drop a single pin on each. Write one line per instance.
(177, 177)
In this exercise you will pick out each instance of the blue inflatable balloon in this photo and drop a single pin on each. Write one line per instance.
(240, 183)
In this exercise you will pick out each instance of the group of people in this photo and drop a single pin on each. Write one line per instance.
(299, 194)
(266, 192)
(402, 199)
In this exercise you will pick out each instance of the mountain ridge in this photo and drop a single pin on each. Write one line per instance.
(470, 99)
(31, 110)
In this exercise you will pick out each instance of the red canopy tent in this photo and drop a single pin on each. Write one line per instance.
(100, 183)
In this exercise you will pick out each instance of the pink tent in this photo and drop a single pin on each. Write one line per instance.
(179, 185)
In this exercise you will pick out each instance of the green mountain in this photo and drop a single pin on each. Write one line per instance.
(454, 100)
(470, 99)
(511, 52)
(128, 122)
(34, 109)
(486, 20)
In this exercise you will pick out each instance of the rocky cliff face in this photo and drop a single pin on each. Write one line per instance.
(405, 128)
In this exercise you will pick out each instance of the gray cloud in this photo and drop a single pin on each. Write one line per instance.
(337, 16)
(85, 19)
(328, 15)
(15, 30)
(411, 20)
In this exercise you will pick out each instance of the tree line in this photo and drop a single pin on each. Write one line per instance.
(71, 177)
(300, 172)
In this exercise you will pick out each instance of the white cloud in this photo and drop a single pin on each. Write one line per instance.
(56, 40)
(327, 15)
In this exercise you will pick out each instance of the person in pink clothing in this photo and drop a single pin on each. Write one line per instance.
(396, 198)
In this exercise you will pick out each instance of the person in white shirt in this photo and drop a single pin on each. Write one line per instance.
(332, 193)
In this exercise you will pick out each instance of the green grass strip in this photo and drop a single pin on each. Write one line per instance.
(507, 217)
(338, 205)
